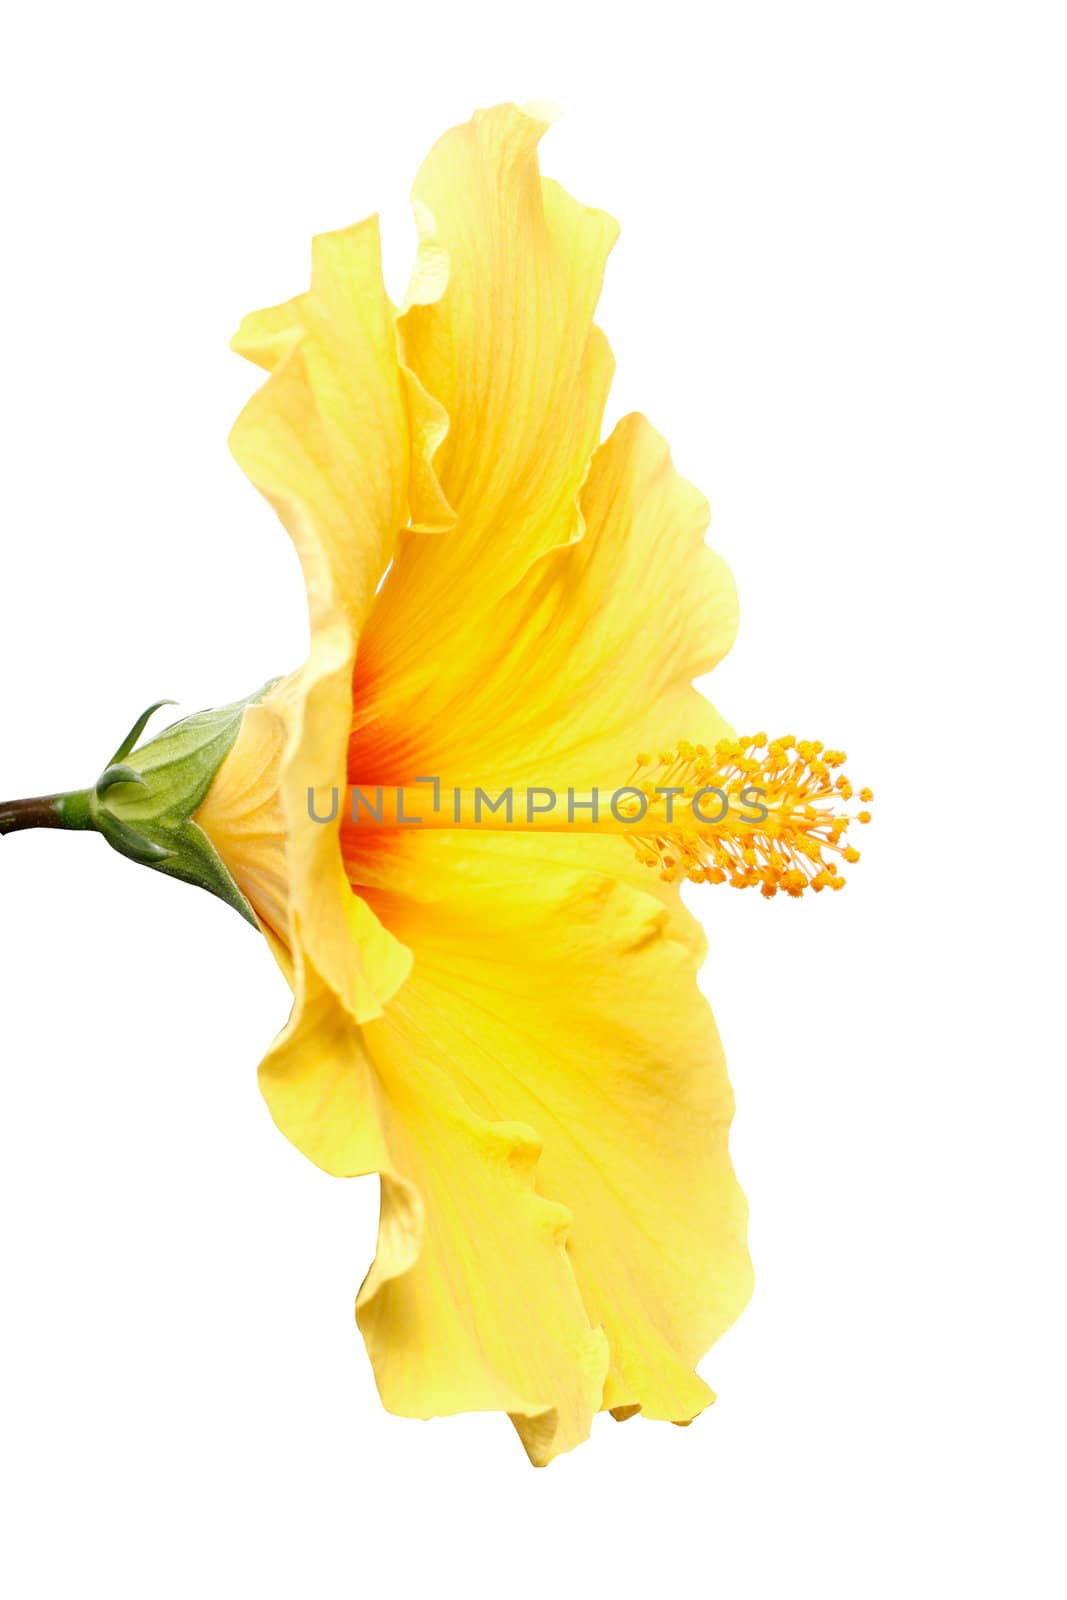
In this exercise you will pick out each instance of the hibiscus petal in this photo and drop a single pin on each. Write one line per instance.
(328, 441)
(471, 1304)
(499, 330)
(556, 994)
(589, 659)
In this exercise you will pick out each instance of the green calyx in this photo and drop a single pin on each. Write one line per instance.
(145, 799)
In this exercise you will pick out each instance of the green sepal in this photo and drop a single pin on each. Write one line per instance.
(144, 801)
(128, 842)
(136, 731)
(118, 774)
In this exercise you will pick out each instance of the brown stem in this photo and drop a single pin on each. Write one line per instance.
(44, 811)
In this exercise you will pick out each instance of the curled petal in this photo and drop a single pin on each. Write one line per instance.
(471, 1303)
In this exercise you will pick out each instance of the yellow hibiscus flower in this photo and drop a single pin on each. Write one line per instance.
(501, 1020)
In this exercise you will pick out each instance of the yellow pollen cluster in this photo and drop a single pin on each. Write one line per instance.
(753, 811)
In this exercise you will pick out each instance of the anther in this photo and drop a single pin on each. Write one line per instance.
(792, 847)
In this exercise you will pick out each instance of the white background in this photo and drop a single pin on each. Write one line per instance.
(840, 293)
